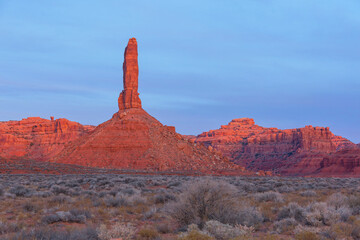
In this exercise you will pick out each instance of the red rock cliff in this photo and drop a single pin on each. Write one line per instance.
(342, 143)
(132, 139)
(260, 148)
(345, 162)
(37, 138)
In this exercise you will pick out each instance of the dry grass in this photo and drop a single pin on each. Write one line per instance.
(82, 204)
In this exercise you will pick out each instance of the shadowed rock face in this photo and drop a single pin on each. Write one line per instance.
(37, 138)
(292, 151)
(343, 162)
(132, 139)
(129, 97)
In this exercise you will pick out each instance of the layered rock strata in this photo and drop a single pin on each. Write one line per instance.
(292, 151)
(129, 97)
(132, 139)
(37, 138)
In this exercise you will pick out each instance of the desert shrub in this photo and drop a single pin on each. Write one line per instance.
(117, 201)
(87, 233)
(60, 199)
(49, 219)
(269, 197)
(249, 216)
(355, 233)
(173, 184)
(337, 200)
(72, 184)
(20, 191)
(42, 194)
(138, 184)
(8, 228)
(320, 213)
(103, 194)
(285, 189)
(163, 198)
(308, 193)
(344, 213)
(285, 225)
(136, 199)
(148, 234)
(205, 200)
(293, 210)
(56, 189)
(150, 213)
(306, 236)
(261, 189)
(164, 228)
(246, 186)
(73, 216)
(9, 195)
(354, 204)
(124, 231)
(222, 231)
(80, 212)
(193, 233)
(87, 192)
(128, 191)
(341, 230)
(29, 207)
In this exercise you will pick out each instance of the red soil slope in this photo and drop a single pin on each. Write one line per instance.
(37, 138)
(292, 151)
(133, 139)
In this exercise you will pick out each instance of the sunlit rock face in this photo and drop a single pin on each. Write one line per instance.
(298, 151)
(132, 139)
(37, 138)
(129, 97)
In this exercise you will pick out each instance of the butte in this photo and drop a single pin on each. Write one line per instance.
(132, 139)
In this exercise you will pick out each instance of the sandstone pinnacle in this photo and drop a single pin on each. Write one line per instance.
(129, 97)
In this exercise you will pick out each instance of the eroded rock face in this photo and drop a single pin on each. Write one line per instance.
(37, 138)
(342, 143)
(345, 162)
(270, 149)
(129, 97)
(132, 139)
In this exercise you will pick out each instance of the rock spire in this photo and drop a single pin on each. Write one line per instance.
(129, 97)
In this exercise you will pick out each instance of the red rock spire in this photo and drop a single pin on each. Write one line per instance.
(129, 97)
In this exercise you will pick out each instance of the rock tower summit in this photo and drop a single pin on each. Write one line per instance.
(129, 97)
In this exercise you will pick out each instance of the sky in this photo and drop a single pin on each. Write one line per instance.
(285, 63)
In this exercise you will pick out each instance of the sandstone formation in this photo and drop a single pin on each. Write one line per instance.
(342, 143)
(292, 151)
(37, 138)
(345, 162)
(132, 139)
(129, 97)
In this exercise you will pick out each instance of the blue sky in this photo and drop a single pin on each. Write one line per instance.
(285, 63)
